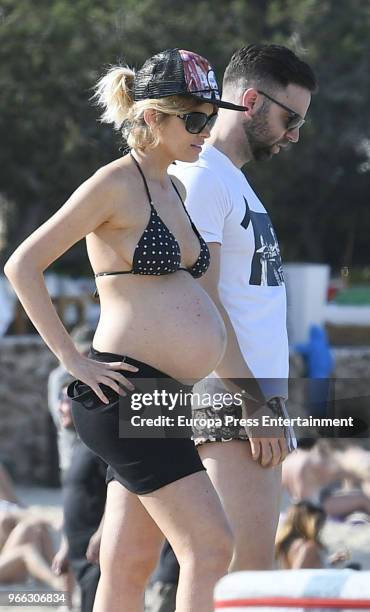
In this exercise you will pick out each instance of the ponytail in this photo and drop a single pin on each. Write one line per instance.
(114, 93)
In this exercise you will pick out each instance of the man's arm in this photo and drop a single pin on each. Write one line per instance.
(209, 203)
(267, 451)
(233, 364)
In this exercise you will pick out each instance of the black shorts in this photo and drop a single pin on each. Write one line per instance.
(142, 465)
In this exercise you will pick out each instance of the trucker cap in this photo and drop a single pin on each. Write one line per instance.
(176, 72)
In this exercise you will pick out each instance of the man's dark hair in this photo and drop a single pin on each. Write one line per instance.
(271, 64)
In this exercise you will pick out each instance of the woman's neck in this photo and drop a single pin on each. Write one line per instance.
(154, 164)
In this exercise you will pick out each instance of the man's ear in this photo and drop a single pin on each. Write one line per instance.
(250, 100)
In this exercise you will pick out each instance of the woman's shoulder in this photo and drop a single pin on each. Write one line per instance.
(116, 182)
(116, 175)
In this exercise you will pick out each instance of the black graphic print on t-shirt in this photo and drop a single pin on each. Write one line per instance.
(266, 266)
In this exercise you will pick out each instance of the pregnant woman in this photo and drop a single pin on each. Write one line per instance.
(156, 323)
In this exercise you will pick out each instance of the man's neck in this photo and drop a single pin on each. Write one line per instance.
(231, 145)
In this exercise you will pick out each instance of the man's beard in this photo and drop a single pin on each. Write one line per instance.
(257, 134)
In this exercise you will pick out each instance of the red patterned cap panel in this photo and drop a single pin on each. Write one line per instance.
(199, 75)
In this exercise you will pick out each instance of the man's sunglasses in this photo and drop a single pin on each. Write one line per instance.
(294, 119)
(196, 122)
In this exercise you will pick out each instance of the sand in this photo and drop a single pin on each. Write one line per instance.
(48, 503)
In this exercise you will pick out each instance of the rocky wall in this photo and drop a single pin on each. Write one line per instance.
(27, 434)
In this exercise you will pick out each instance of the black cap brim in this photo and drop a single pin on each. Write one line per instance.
(230, 106)
(222, 103)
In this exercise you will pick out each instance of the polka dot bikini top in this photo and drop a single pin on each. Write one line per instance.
(158, 251)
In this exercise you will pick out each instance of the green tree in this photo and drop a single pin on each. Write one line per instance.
(51, 56)
(319, 190)
(50, 59)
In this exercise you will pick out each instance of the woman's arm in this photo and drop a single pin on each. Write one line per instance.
(91, 205)
(305, 554)
(85, 210)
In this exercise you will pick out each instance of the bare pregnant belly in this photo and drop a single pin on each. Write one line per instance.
(168, 322)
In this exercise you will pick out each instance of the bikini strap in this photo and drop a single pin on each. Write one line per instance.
(178, 193)
(185, 209)
(144, 179)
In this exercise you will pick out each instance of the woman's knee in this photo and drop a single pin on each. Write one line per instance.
(7, 523)
(210, 554)
(135, 564)
(26, 551)
(30, 530)
(246, 558)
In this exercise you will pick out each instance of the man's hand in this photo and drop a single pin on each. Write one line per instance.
(270, 445)
(268, 452)
(93, 549)
(60, 563)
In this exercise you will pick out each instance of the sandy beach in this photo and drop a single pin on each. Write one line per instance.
(48, 504)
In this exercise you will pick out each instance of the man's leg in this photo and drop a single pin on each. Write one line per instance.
(250, 495)
(160, 595)
(88, 585)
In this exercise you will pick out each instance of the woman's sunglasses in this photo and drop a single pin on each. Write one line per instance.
(196, 122)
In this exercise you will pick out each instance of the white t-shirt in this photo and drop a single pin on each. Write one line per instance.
(226, 210)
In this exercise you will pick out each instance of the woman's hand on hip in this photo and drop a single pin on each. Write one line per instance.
(94, 373)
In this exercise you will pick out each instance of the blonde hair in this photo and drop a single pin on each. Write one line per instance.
(114, 93)
(303, 520)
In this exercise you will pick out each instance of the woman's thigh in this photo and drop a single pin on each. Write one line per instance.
(188, 511)
(250, 495)
(129, 532)
(12, 566)
(7, 523)
(30, 529)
